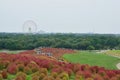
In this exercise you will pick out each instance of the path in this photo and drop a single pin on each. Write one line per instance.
(118, 65)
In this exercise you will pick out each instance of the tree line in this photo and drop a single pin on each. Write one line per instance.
(18, 41)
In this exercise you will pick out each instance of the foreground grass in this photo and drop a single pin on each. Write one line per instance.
(93, 59)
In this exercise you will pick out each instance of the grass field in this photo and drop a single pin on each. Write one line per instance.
(12, 51)
(92, 58)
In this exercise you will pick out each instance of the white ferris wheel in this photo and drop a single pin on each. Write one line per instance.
(29, 26)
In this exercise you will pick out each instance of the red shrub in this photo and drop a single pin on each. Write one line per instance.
(42, 76)
(97, 77)
(21, 76)
(87, 74)
(94, 69)
(106, 77)
(69, 71)
(114, 78)
(27, 70)
(20, 67)
(33, 66)
(4, 74)
(38, 66)
(12, 69)
(110, 73)
(76, 67)
(58, 70)
(54, 74)
(48, 78)
(3, 64)
(35, 77)
(43, 70)
(102, 72)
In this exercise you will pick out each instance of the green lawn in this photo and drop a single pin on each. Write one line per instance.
(92, 58)
(12, 77)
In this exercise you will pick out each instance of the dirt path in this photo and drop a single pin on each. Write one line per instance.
(118, 65)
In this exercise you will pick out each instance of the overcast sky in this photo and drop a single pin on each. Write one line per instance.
(77, 16)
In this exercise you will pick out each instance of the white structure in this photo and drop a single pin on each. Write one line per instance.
(39, 51)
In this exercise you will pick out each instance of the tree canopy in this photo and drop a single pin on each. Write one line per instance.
(17, 41)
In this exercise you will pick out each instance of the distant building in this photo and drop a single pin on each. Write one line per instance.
(49, 54)
(39, 51)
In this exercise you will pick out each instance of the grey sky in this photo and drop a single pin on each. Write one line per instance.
(81, 16)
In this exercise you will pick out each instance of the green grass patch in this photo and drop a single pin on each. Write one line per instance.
(12, 77)
(12, 51)
(93, 59)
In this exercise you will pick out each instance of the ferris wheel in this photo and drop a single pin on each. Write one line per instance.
(29, 26)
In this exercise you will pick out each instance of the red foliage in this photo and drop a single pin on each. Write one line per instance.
(4, 74)
(57, 52)
(30, 63)
(12, 68)
(110, 73)
(58, 70)
(87, 74)
(68, 71)
(97, 77)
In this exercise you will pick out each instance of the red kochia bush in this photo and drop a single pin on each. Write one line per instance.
(58, 70)
(57, 52)
(54, 74)
(97, 77)
(44, 71)
(76, 67)
(94, 69)
(48, 78)
(89, 79)
(27, 70)
(41, 76)
(68, 71)
(4, 74)
(33, 66)
(102, 73)
(110, 73)
(3, 64)
(69, 65)
(20, 67)
(106, 77)
(79, 73)
(46, 64)
(30, 63)
(35, 77)
(12, 68)
(21, 76)
(87, 74)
